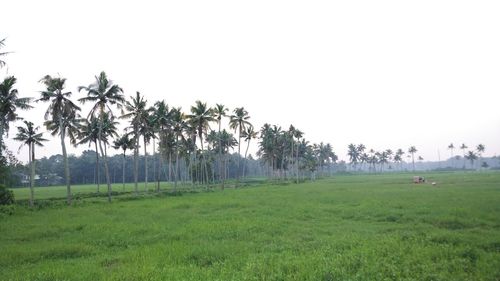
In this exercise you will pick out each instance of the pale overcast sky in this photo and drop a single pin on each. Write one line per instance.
(388, 74)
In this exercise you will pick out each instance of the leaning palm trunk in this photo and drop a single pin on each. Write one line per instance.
(66, 164)
(245, 159)
(32, 176)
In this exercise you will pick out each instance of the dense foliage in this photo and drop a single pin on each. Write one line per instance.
(6, 196)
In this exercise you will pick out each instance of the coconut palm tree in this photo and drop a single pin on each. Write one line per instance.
(451, 147)
(480, 150)
(162, 121)
(60, 114)
(200, 117)
(227, 141)
(219, 111)
(353, 153)
(146, 129)
(238, 121)
(28, 136)
(471, 156)
(89, 133)
(137, 112)
(124, 143)
(463, 147)
(248, 135)
(412, 150)
(297, 134)
(9, 103)
(104, 94)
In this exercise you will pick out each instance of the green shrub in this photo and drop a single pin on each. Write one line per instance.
(6, 196)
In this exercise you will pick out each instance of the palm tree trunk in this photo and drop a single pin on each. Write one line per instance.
(238, 174)
(170, 166)
(145, 167)
(106, 170)
(123, 171)
(245, 159)
(154, 161)
(65, 159)
(220, 153)
(176, 170)
(413, 162)
(97, 167)
(297, 162)
(32, 176)
(1, 137)
(136, 162)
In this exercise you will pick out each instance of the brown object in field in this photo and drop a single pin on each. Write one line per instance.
(418, 179)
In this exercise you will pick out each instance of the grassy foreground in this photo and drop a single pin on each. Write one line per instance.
(370, 227)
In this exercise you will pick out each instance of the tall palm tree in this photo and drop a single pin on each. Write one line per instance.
(137, 112)
(227, 141)
(480, 150)
(161, 118)
(124, 143)
(463, 147)
(238, 121)
(28, 136)
(61, 113)
(103, 93)
(89, 133)
(297, 135)
(412, 150)
(248, 135)
(220, 111)
(451, 147)
(353, 153)
(146, 129)
(200, 117)
(9, 103)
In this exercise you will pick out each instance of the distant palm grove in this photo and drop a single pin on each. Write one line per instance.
(189, 146)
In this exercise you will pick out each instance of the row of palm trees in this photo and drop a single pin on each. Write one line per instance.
(471, 155)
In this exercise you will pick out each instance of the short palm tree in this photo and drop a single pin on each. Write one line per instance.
(9, 103)
(471, 156)
(62, 112)
(238, 121)
(104, 94)
(29, 136)
(124, 143)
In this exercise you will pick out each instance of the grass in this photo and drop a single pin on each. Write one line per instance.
(363, 227)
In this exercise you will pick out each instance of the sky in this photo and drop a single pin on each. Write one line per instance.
(388, 74)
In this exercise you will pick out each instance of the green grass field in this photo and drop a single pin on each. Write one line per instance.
(363, 227)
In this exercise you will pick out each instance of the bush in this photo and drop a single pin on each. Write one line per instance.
(6, 196)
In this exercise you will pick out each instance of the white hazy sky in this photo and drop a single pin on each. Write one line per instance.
(388, 74)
